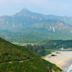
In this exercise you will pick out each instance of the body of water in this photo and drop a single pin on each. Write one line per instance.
(68, 66)
(69, 69)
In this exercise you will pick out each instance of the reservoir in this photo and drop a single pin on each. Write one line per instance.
(69, 69)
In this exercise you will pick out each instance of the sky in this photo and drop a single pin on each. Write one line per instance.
(49, 7)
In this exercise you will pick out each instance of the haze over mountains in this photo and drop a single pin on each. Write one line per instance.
(26, 26)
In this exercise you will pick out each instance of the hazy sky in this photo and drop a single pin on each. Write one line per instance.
(54, 7)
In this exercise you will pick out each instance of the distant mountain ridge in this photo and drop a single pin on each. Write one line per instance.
(26, 26)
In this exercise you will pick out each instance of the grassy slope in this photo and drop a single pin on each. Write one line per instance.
(18, 59)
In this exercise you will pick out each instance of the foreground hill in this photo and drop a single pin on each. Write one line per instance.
(26, 26)
(18, 59)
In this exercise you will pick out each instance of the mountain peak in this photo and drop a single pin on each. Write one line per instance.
(23, 12)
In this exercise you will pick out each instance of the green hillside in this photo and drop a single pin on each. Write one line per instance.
(18, 59)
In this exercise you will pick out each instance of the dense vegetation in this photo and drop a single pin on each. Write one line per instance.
(58, 44)
(49, 46)
(19, 59)
(41, 50)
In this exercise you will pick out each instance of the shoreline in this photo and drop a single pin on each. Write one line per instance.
(67, 65)
(63, 59)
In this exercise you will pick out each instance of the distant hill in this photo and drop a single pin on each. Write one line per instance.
(49, 46)
(58, 44)
(20, 59)
(26, 26)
